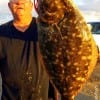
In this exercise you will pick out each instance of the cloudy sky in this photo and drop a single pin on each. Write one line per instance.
(89, 8)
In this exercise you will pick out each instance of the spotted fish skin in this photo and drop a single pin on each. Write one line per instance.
(68, 49)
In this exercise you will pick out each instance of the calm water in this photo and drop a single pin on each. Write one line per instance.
(5, 17)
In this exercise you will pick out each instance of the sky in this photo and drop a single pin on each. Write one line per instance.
(89, 8)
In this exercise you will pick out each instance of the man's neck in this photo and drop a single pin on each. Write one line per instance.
(22, 22)
(22, 25)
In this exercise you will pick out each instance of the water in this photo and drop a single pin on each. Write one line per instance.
(4, 17)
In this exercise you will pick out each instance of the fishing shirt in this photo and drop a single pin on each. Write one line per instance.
(22, 71)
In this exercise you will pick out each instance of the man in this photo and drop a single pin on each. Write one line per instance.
(22, 71)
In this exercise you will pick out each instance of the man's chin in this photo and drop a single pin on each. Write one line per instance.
(20, 12)
(21, 16)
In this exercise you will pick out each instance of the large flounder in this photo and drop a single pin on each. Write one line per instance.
(68, 49)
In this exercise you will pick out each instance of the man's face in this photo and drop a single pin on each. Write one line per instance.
(20, 8)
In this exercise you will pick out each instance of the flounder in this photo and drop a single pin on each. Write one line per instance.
(67, 46)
